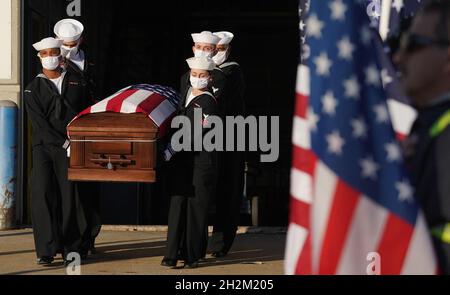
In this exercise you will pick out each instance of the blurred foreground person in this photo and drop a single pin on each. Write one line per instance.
(424, 62)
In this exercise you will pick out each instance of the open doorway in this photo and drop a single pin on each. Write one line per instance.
(137, 41)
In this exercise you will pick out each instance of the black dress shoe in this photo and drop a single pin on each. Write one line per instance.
(93, 251)
(218, 254)
(67, 262)
(45, 260)
(169, 262)
(191, 264)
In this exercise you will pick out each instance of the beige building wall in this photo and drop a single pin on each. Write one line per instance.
(10, 50)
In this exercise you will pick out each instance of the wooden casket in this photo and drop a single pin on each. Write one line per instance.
(116, 141)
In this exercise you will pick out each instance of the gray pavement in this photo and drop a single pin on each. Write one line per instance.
(140, 253)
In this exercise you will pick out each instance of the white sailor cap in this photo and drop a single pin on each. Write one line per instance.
(201, 63)
(48, 43)
(225, 37)
(69, 29)
(205, 37)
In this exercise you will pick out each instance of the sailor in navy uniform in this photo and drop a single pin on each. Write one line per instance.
(52, 100)
(76, 57)
(193, 174)
(205, 45)
(70, 31)
(231, 163)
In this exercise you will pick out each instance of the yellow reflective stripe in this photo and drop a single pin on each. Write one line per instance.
(442, 233)
(440, 124)
(446, 234)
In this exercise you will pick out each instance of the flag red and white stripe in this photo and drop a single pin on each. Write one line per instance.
(333, 227)
(403, 116)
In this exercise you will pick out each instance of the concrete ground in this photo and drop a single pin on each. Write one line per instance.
(139, 252)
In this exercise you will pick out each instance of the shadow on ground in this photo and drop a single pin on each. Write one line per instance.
(248, 249)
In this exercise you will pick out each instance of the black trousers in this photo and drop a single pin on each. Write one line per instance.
(443, 255)
(88, 213)
(228, 201)
(53, 204)
(188, 220)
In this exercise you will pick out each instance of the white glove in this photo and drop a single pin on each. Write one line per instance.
(168, 153)
(66, 146)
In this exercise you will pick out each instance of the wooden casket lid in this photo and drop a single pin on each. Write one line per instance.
(111, 122)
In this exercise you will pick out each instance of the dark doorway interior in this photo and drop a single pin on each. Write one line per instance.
(137, 41)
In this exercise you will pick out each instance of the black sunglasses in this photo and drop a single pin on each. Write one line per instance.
(410, 42)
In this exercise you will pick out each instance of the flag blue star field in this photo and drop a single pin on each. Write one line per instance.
(351, 200)
(401, 11)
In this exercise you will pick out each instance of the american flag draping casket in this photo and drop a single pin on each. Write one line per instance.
(116, 139)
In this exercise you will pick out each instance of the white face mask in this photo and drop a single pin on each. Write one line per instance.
(69, 52)
(220, 57)
(199, 83)
(50, 62)
(201, 53)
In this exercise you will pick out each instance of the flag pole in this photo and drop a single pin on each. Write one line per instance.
(384, 19)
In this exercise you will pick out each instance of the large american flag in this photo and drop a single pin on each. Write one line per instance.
(350, 195)
(158, 102)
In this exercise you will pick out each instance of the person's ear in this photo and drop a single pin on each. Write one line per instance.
(193, 49)
(81, 41)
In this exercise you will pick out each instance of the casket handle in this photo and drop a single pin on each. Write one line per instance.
(122, 162)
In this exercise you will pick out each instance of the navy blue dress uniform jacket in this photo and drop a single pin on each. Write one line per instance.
(427, 152)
